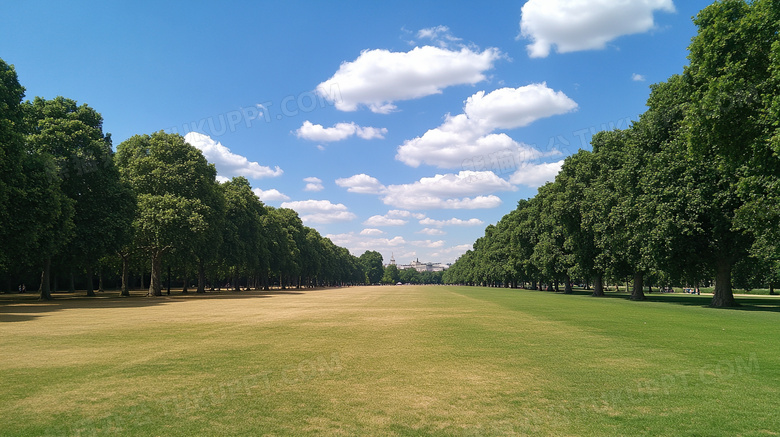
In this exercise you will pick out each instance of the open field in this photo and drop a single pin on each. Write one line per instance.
(403, 360)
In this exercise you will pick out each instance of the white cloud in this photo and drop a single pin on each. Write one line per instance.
(428, 243)
(313, 184)
(442, 191)
(269, 195)
(372, 231)
(361, 183)
(431, 231)
(453, 252)
(357, 244)
(449, 191)
(440, 35)
(574, 25)
(636, 77)
(377, 78)
(450, 222)
(405, 214)
(536, 175)
(340, 131)
(228, 163)
(467, 137)
(320, 211)
(380, 220)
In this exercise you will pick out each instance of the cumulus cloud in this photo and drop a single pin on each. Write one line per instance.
(536, 175)
(448, 191)
(428, 243)
(372, 231)
(361, 183)
(380, 220)
(468, 136)
(320, 211)
(442, 191)
(431, 231)
(636, 77)
(378, 78)
(574, 25)
(340, 131)
(358, 244)
(313, 184)
(451, 222)
(405, 214)
(228, 163)
(452, 252)
(269, 195)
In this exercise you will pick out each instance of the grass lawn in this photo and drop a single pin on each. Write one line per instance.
(396, 360)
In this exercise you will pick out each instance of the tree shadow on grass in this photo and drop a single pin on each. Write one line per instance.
(26, 307)
(753, 303)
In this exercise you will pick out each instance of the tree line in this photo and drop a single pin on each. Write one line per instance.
(71, 206)
(688, 194)
(378, 273)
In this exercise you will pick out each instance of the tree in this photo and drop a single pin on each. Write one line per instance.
(391, 275)
(171, 178)
(732, 77)
(36, 218)
(243, 242)
(372, 265)
(12, 152)
(576, 176)
(103, 206)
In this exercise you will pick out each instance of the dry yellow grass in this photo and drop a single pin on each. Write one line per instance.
(364, 360)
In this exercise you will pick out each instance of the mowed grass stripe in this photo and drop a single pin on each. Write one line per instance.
(387, 360)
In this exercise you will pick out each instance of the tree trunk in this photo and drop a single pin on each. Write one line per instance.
(72, 284)
(101, 289)
(723, 296)
(169, 281)
(143, 274)
(236, 278)
(265, 282)
(90, 288)
(45, 275)
(598, 285)
(155, 284)
(185, 289)
(637, 293)
(772, 289)
(567, 288)
(201, 277)
(125, 275)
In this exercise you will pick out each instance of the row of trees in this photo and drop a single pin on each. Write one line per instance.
(68, 201)
(377, 273)
(690, 193)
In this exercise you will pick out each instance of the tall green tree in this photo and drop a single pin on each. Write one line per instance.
(372, 264)
(36, 218)
(103, 205)
(730, 76)
(171, 180)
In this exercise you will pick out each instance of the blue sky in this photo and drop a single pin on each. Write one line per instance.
(398, 126)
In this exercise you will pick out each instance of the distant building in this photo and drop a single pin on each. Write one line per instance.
(422, 267)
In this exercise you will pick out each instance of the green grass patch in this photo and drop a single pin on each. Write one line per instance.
(397, 360)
